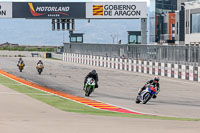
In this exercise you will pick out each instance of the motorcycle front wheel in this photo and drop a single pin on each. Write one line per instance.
(147, 97)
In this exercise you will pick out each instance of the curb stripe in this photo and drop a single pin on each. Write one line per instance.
(85, 101)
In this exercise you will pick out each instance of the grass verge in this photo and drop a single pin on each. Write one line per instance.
(71, 106)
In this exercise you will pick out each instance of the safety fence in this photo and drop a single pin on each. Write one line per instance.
(186, 55)
(185, 72)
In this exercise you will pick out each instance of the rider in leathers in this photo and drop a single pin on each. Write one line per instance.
(40, 62)
(93, 74)
(20, 61)
(155, 83)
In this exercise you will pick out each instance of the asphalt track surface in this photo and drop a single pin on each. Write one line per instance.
(20, 113)
(178, 98)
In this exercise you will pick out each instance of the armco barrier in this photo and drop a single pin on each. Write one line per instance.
(177, 71)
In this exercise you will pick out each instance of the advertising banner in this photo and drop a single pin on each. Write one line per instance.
(140, 66)
(47, 10)
(199, 74)
(183, 72)
(104, 61)
(135, 65)
(125, 64)
(145, 66)
(120, 64)
(109, 62)
(5, 10)
(116, 10)
(162, 69)
(156, 68)
(130, 64)
(112, 63)
(150, 67)
(169, 70)
(116, 63)
(175, 70)
(191, 73)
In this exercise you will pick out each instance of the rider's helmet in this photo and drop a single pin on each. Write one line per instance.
(20, 58)
(94, 72)
(156, 79)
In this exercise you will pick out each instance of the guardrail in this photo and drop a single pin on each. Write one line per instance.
(185, 72)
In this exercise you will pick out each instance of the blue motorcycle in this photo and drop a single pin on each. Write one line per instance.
(146, 94)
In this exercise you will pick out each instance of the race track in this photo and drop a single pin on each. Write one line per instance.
(178, 98)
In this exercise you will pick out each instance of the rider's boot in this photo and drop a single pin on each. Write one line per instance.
(154, 97)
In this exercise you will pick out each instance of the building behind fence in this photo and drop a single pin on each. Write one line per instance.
(188, 55)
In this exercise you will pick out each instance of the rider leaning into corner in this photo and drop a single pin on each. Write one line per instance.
(20, 61)
(154, 82)
(93, 74)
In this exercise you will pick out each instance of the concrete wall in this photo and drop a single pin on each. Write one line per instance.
(5, 53)
(111, 50)
(57, 56)
(192, 38)
(185, 72)
(19, 53)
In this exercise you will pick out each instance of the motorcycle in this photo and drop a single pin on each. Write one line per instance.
(89, 86)
(39, 68)
(146, 94)
(21, 67)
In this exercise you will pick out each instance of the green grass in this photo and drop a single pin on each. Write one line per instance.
(71, 106)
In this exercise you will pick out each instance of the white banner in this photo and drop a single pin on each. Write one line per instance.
(130, 64)
(162, 69)
(135, 65)
(199, 74)
(101, 61)
(116, 63)
(112, 63)
(93, 60)
(82, 58)
(5, 9)
(191, 73)
(70, 57)
(88, 59)
(85, 57)
(75, 58)
(175, 70)
(150, 67)
(145, 66)
(169, 70)
(109, 62)
(140, 66)
(116, 10)
(120, 65)
(156, 68)
(125, 64)
(98, 61)
(104, 61)
(183, 72)
(63, 57)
